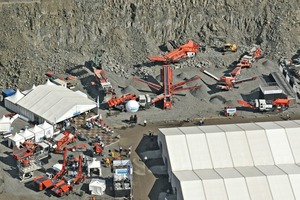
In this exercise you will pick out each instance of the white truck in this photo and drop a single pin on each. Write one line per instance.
(144, 100)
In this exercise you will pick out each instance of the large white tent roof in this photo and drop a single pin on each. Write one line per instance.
(52, 102)
(237, 161)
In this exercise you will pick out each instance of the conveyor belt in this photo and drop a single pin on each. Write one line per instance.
(283, 84)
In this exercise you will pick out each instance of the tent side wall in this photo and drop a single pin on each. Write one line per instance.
(26, 113)
(11, 106)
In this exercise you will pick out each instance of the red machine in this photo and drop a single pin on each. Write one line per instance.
(101, 76)
(114, 101)
(187, 50)
(244, 63)
(97, 148)
(277, 105)
(27, 149)
(43, 182)
(168, 89)
(61, 188)
(228, 81)
(63, 140)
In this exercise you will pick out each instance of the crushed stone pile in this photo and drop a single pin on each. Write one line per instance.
(130, 89)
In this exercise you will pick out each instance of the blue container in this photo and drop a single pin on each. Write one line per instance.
(8, 92)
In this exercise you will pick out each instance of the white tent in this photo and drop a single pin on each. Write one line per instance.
(94, 164)
(15, 140)
(48, 129)
(10, 102)
(27, 135)
(238, 161)
(38, 132)
(5, 124)
(97, 186)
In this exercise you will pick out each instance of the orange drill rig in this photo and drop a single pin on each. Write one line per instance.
(228, 81)
(277, 105)
(187, 50)
(44, 182)
(61, 188)
(168, 89)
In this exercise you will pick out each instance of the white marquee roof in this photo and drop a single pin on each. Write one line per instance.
(237, 161)
(53, 103)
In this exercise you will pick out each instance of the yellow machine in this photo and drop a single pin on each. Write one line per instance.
(230, 47)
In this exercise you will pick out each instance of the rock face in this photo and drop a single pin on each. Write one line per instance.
(56, 35)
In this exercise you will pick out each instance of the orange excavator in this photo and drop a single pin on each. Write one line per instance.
(44, 182)
(187, 50)
(114, 101)
(168, 89)
(277, 105)
(61, 188)
(228, 81)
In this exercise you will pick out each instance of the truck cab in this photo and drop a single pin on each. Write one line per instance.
(144, 100)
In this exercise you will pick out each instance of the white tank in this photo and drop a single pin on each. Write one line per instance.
(132, 106)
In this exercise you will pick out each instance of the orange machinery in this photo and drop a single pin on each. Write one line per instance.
(61, 188)
(27, 149)
(105, 84)
(114, 101)
(168, 89)
(277, 105)
(227, 82)
(63, 140)
(44, 182)
(97, 148)
(187, 50)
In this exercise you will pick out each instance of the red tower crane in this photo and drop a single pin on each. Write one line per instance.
(168, 89)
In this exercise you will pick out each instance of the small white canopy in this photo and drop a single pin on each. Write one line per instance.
(94, 164)
(38, 133)
(5, 124)
(48, 129)
(27, 134)
(15, 140)
(97, 186)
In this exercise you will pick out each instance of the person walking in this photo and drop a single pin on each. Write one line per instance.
(145, 122)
